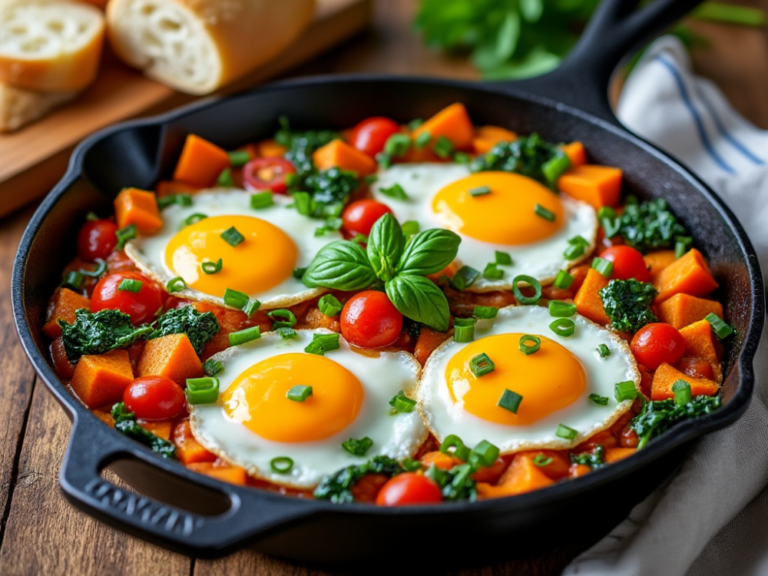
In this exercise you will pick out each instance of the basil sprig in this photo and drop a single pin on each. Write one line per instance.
(344, 265)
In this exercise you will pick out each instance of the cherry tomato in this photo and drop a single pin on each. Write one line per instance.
(409, 488)
(370, 320)
(370, 135)
(141, 306)
(627, 263)
(267, 174)
(96, 239)
(154, 398)
(360, 216)
(656, 344)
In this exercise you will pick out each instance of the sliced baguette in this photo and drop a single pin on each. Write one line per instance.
(197, 46)
(50, 45)
(19, 106)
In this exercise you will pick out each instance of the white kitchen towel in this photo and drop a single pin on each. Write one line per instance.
(711, 517)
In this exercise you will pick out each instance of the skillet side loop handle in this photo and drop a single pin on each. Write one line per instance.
(252, 513)
(615, 30)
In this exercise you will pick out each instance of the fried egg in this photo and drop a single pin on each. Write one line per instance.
(555, 383)
(254, 422)
(275, 241)
(504, 218)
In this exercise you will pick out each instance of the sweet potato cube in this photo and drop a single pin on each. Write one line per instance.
(189, 450)
(171, 187)
(172, 356)
(101, 380)
(521, 476)
(225, 473)
(270, 149)
(667, 375)
(682, 310)
(615, 454)
(139, 207)
(200, 162)
(160, 428)
(657, 261)
(341, 155)
(576, 153)
(588, 301)
(700, 343)
(596, 185)
(688, 274)
(62, 307)
(452, 123)
(486, 137)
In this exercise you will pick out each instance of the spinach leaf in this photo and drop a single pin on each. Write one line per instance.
(456, 484)
(429, 252)
(125, 422)
(628, 304)
(301, 145)
(658, 416)
(594, 459)
(528, 155)
(93, 334)
(419, 299)
(338, 486)
(648, 225)
(198, 326)
(385, 246)
(341, 265)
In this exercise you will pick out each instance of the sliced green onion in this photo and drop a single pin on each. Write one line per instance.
(480, 191)
(298, 273)
(194, 219)
(357, 446)
(576, 248)
(492, 272)
(410, 228)
(330, 305)
(128, 285)
(529, 344)
(443, 147)
(533, 283)
(125, 234)
(299, 393)
(212, 267)
(721, 329)
(239, 157)
(232, 236)
(101, 267)
(262, 200)
(462, 158)
(322, 343)
(410, 465)
(542, 460)
(555, 168)
(212, 367)
(303, 203)
(542, 212)
(225, 179)
(503, 258)
(485, 312)
(564, 280)
(603, 350)
(401, 404)
(459, 451)
(251, 307)
(682, 391)
(73, 280)
(176, 285)
(625, 391)
(605, 267)
(510, 401)
(397, 145)
(235, 299)
(184, 200)
(464, 278)
(484, 454)
(395, 191)
(481, 365)
(244, 336)
(287, 333)
(464, 329)
(563, 327)
(384, 160)
(202, 390)
(422, 140)
(597, 399)
(281, 464)
(415, 124)
(566, 432)
(282, 318)
(682, 244)
(559, 309)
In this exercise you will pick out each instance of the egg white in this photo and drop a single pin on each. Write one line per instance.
(541, 260)
(148, 252)
(443, 417)
(382, 375)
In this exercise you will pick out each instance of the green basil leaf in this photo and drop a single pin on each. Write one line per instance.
(340, 265)
(419, 299)
(429, 252)
(385, 246)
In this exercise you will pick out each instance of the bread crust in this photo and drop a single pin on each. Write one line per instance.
(19, 106)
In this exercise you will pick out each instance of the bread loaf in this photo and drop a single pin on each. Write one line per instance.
(197, 46)
(19, 106)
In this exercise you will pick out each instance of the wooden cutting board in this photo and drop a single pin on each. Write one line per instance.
(36, 157)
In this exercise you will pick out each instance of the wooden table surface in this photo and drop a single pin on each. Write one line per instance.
(40, 533)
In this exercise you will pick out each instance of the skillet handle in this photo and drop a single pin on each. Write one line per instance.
(251, 513)
(615, 30)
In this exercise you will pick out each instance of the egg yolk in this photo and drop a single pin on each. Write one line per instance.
(506, 215)
(548, 380)
(258, 398)
(265, 258)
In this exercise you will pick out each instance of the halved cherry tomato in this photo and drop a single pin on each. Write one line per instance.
(267, 174)
(627, 263)
(154, 398)
(141, 306)
(372, 134)
(656, 344)
(370, 320)
(96, 239)
(360, 216)
(409, 488)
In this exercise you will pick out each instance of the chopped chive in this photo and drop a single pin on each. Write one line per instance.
(232, 237)
(565, 432)
(235, 299)
(395, 191)
(597, 399)
(357, 446)
(202, 390)
(244, 336)
(721, 329)
(401, 404)
(682, 244)
(464, 329)
(492, 272)
(212, 267)
(481, 365)
(397, 145)
(194, 219)
(563, 327)
(101, 267)
(462, 158)
(73, 280)
(605, 267)
(184, 200)
(533, 283)
(529, 344)
(329, 305)
(625, 391)
(410, 228)
(303, 203)
(127, 285)
(299, 393)
(287, 333)
(443, 147)
(459, 451)
(225, 179)
(282, 318)
(503, 258)
(410, 465)
(603, 350)
(559, 309)
(322, 343)
(262, 200)
(125, 234)
(481, 191)
(176, 285)
(484, 454)
(682, 391)
(281, 464)
(464, 278)
(422, 140)
(384, 160)
(576, 248)
(609, 220)
(564, 280)
(212, 367)
(554, 168)
(415, 124)
(544, 213)
(298, 273)
(510, 401)
(485, 312)
(542, 460)
(239, 157)
(251, 307)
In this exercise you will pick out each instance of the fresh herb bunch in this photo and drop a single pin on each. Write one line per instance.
(99, 333)
(646, 225)
(125, 422)
(401, 267)
(301, 145)
(628, 304)
(338, 486)
(658, 416)
(199, 327)
(456, 484)
(530, 156)
(594, 459)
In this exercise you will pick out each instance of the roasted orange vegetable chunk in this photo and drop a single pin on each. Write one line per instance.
(588, 301)
(220, 471)
(189, 450)
(486, 137)
(201, 162)
(521, 476)
(666, 376)
(576, 153)
(682, 309)
(596, 185)
(63, 306)
(657, 261)
(700, 343)
(101, 380)
(134, 206)
(688, 274)
(340, 154)
(160, 428)
(171, 356)
(615, 454)
(453, 123)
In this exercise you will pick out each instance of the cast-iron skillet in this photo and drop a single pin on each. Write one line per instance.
(200, 516)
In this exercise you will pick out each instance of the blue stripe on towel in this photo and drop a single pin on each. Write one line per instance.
(695, 114)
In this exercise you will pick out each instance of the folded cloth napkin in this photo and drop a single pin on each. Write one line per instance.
(711, 517)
